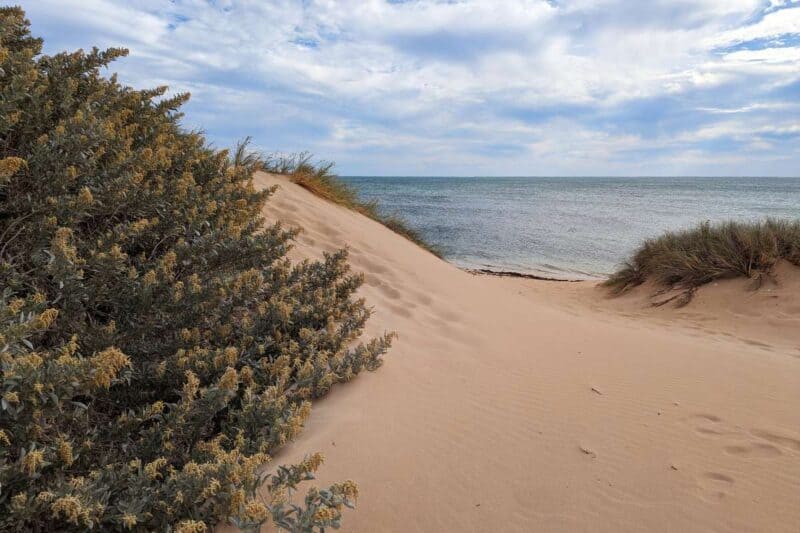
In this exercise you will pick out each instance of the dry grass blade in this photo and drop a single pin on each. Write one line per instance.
(690, 258)
(320, 180)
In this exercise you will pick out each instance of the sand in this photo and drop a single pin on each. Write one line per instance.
(524, 405)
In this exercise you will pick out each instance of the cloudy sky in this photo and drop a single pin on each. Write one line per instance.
(470, 87)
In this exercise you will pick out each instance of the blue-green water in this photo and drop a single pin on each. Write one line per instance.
(567, 227)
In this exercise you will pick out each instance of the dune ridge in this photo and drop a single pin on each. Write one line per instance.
(508, 404)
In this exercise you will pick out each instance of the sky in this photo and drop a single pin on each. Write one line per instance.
(469, 87)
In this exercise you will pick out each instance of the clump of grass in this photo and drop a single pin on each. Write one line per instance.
(688, 259)
(320, 179)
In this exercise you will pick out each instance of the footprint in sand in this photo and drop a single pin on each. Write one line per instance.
(329, 231)
(716, 485)
(746, 445)
(448, 315)
(708, 424)
(308, 241)
(390, 292)
(783, 441)
(423, 298)
(400, 310)
(366, 262)
(387, 290)
(758, 344)
(755, 450)
(719, 478)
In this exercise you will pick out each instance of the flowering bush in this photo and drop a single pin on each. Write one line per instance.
(156, 346)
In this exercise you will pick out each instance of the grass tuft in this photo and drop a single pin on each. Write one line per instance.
(320, 179)
(688, 259)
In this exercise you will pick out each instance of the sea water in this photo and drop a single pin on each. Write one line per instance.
(572, 227)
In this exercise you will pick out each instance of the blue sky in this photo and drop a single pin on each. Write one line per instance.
(471, 87)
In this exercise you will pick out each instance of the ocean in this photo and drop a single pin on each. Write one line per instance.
(571, 228)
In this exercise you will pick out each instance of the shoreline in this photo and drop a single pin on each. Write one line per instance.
(523, 275)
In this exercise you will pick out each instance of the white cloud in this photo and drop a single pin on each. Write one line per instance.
(771, 106)
(773, 25)
(360, 81)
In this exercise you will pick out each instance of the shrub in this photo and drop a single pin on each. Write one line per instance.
(156, 346)
(320, 180)
(688, 259)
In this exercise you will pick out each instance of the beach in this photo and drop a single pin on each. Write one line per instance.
(400, 266)
(512, 404)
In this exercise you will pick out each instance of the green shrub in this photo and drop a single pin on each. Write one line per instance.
(320, 180)
(156, 346)
(688, 259)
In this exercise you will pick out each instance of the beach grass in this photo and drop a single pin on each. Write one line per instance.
(690, 258)
(320, 179)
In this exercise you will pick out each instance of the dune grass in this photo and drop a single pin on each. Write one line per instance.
(688, 259)
(322, 181)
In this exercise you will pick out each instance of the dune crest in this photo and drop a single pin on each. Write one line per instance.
(506, 405)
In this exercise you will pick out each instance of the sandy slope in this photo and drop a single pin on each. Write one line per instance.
(515, 405)
(765, 315)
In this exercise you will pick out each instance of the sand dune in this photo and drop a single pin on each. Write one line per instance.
(520, 405)
(765, 314)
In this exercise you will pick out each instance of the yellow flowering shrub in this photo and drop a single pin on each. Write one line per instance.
(156, 346)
